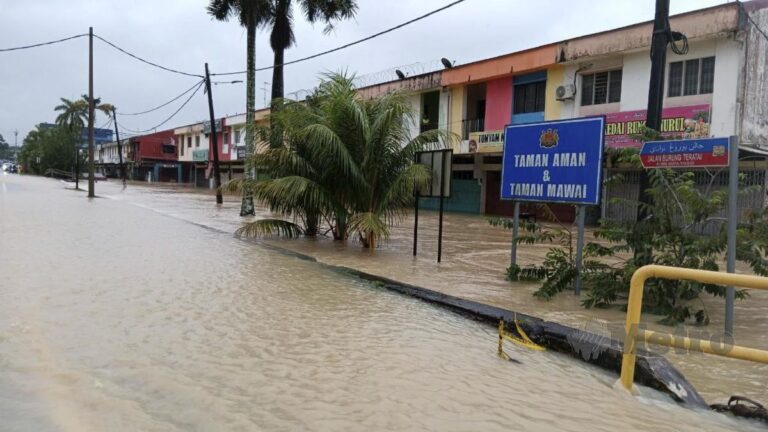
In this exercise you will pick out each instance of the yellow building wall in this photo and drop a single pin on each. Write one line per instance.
(555, 77)
(457, 109)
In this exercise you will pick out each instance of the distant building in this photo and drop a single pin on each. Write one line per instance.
(100, 136)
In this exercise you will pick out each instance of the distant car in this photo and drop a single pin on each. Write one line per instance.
(7, 167)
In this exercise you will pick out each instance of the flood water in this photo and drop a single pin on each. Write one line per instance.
(115, 315)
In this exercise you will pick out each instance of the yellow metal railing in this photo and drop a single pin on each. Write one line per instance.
(634, 306)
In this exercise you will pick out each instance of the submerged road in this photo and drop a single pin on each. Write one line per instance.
(117, 317)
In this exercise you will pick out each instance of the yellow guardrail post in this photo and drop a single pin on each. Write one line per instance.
(634, 309)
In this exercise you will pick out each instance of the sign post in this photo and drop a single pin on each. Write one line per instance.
(580, 217)
(515, 232)
(440, 164)
(554, 162)
(705, 153)
(733, 221)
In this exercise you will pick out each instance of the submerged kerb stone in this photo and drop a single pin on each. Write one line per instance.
(651, 370)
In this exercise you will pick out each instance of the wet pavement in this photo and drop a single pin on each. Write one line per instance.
(475, 256)
(117, 315)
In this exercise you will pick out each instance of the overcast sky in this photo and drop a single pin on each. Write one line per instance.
(179, 34)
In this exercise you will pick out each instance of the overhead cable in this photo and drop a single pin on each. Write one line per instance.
(751, 21)
(163, 105)
(197, 89)
(42, 44)
(373, 36)
(145, 61)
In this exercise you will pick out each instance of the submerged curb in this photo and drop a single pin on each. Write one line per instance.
(652, 370)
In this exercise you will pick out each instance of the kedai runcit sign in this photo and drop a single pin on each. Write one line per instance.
(558, 162)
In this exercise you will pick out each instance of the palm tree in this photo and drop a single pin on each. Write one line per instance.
(251, 14)
(344, 161)
(111, 111)
(73, 115)
(281, 37)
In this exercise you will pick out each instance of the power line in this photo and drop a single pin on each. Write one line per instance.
(143, 60)
(163, 105)
(197, 89)
(373, 36)
(43, 43)
(751, 21)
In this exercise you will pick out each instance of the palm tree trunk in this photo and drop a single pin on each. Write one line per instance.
(246, 207)
(277, 74)
(275, 136)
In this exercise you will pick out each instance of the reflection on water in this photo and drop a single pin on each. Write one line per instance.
(114, 317)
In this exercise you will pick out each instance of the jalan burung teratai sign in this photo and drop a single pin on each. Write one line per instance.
(557, 161)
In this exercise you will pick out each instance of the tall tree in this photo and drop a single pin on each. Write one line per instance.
(72, 117)
(251, 14)
(73, 114)
(281, 37)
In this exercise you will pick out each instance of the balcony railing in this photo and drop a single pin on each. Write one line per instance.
(471, 125)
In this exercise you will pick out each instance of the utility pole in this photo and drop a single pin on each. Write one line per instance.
(119, 147)
(16, 138)
(659, 42)
(214, 139)
(91, 114)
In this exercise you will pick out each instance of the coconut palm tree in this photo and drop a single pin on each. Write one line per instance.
(280, 20)
(72, 117)
(344, 161)
(111, 111)
(251, 14)
(281, 37)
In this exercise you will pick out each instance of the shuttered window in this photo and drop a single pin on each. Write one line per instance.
(691, 77)
(600, 88)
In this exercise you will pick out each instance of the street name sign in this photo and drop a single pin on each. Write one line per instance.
(556, 162)
(689, 153)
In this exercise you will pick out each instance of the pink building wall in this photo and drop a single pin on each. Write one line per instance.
(498, 103)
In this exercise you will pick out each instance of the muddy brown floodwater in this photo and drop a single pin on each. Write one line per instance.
(115, 314)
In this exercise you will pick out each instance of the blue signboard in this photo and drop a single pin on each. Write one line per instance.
(705, 152)
(558, 162)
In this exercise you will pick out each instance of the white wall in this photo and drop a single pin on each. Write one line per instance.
(728, 54)
(636, 69)
(414, 125)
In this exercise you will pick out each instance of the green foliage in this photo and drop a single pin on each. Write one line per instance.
(49, 148)
(5, 149)
(676, 232)
(344, 162)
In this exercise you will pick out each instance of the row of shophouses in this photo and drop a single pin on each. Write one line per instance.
(719, 88)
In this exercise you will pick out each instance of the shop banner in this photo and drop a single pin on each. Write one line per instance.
(678, 122)
(486, 142)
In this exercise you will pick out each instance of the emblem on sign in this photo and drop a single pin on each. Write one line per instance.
(718, 150)
(549, 138)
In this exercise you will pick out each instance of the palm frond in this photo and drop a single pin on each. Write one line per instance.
(270, 227)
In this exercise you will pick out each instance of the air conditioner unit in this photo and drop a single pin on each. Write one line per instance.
(565, 92)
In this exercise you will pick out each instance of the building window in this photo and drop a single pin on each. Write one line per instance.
(197, 140)
(226, 138)
(237, 136)
(691, 77)
(189, 142)
(600, 88)
(181, 146)
(529, 98)
(169, 149)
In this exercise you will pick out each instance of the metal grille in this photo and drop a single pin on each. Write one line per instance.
(622, 193)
